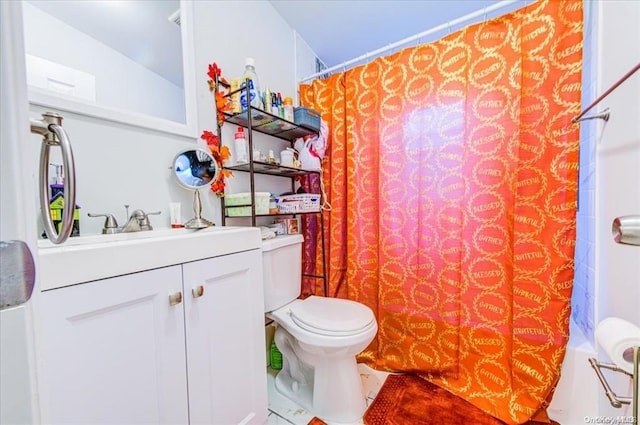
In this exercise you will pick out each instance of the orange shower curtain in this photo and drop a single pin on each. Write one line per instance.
(452, 172)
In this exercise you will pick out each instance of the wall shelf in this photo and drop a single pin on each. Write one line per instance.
(257, 120)
(269, 215)
(273, 125)
(271, 169)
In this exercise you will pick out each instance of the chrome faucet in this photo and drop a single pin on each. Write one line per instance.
(138, 221)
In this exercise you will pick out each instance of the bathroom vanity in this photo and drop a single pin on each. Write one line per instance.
(162, 328)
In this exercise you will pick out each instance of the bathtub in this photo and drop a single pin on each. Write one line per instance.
(578, 391)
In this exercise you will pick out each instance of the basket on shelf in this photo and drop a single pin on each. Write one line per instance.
(307, 117)
(301, 202)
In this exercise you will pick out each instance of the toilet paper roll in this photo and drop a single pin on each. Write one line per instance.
(617, 337)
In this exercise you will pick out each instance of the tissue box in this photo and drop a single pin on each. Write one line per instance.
(289, 225)
(243, 200)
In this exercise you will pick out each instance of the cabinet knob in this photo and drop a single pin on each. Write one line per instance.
(198, 291)
(175, 298)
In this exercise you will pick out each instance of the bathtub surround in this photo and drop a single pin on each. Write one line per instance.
(453, 176)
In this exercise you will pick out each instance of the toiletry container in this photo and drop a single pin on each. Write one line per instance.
(287, 105)
(254, 86)
(235, 83)
(266, 100)
(274, 104)
(240, 144)
(286, 157)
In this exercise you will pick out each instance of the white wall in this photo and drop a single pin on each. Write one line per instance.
(119, 164)
(583, 299)
(607, 274)
(226, 33)
(618, 173)
(305, 61)
(618, 160)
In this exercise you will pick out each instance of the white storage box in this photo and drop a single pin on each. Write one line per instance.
(244, 199)
(301, 202)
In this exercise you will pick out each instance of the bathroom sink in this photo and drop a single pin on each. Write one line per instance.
(116, 237)
(92, 257)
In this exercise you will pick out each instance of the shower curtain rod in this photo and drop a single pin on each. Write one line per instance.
(606, 93)
(447, 25)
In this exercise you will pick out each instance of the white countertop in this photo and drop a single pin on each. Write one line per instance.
(86, 258)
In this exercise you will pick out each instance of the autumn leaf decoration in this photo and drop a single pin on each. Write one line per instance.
(222, 102)
(220, 154)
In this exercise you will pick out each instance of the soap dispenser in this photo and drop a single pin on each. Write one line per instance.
(57, 203)
(57, 183)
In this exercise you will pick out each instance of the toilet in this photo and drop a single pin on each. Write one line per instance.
(318, 337)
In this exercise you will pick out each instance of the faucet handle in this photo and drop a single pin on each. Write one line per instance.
(110, 223)
(145, 224)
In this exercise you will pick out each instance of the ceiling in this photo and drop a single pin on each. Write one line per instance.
(340, 30)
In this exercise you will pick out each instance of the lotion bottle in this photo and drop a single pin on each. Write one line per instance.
(242, 152)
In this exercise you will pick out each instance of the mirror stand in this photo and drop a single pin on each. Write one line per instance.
(197, 222)
(194, 169)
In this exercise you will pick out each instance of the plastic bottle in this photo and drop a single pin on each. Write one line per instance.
(57, 182)
(254, 86)
(271, 158)
(275, 356)
(280, 106)
(242, 153)
(266, 100)
(287, 105)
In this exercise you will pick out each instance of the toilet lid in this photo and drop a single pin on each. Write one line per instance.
(331, 316)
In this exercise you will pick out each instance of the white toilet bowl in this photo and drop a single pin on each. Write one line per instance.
(319, 339)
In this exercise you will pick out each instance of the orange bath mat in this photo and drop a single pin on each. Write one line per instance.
(408, 399)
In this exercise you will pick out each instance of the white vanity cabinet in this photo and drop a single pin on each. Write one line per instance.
(181, 344)
(224, 314)
(114, 351)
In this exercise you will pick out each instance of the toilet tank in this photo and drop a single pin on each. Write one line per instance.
(282, 270)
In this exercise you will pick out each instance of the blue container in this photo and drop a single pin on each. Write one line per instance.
(307, 118)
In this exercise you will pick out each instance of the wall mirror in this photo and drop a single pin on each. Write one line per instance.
(130, 61)
(195, 169)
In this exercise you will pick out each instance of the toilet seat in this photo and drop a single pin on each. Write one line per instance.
(332, 316)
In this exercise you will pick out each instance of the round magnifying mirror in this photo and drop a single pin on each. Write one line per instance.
(196, 168)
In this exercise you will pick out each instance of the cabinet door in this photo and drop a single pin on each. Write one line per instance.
(225, 340)
(114, 351)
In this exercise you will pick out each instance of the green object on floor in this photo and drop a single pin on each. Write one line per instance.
(275, 356)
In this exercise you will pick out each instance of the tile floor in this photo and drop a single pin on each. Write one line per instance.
(282, 411)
